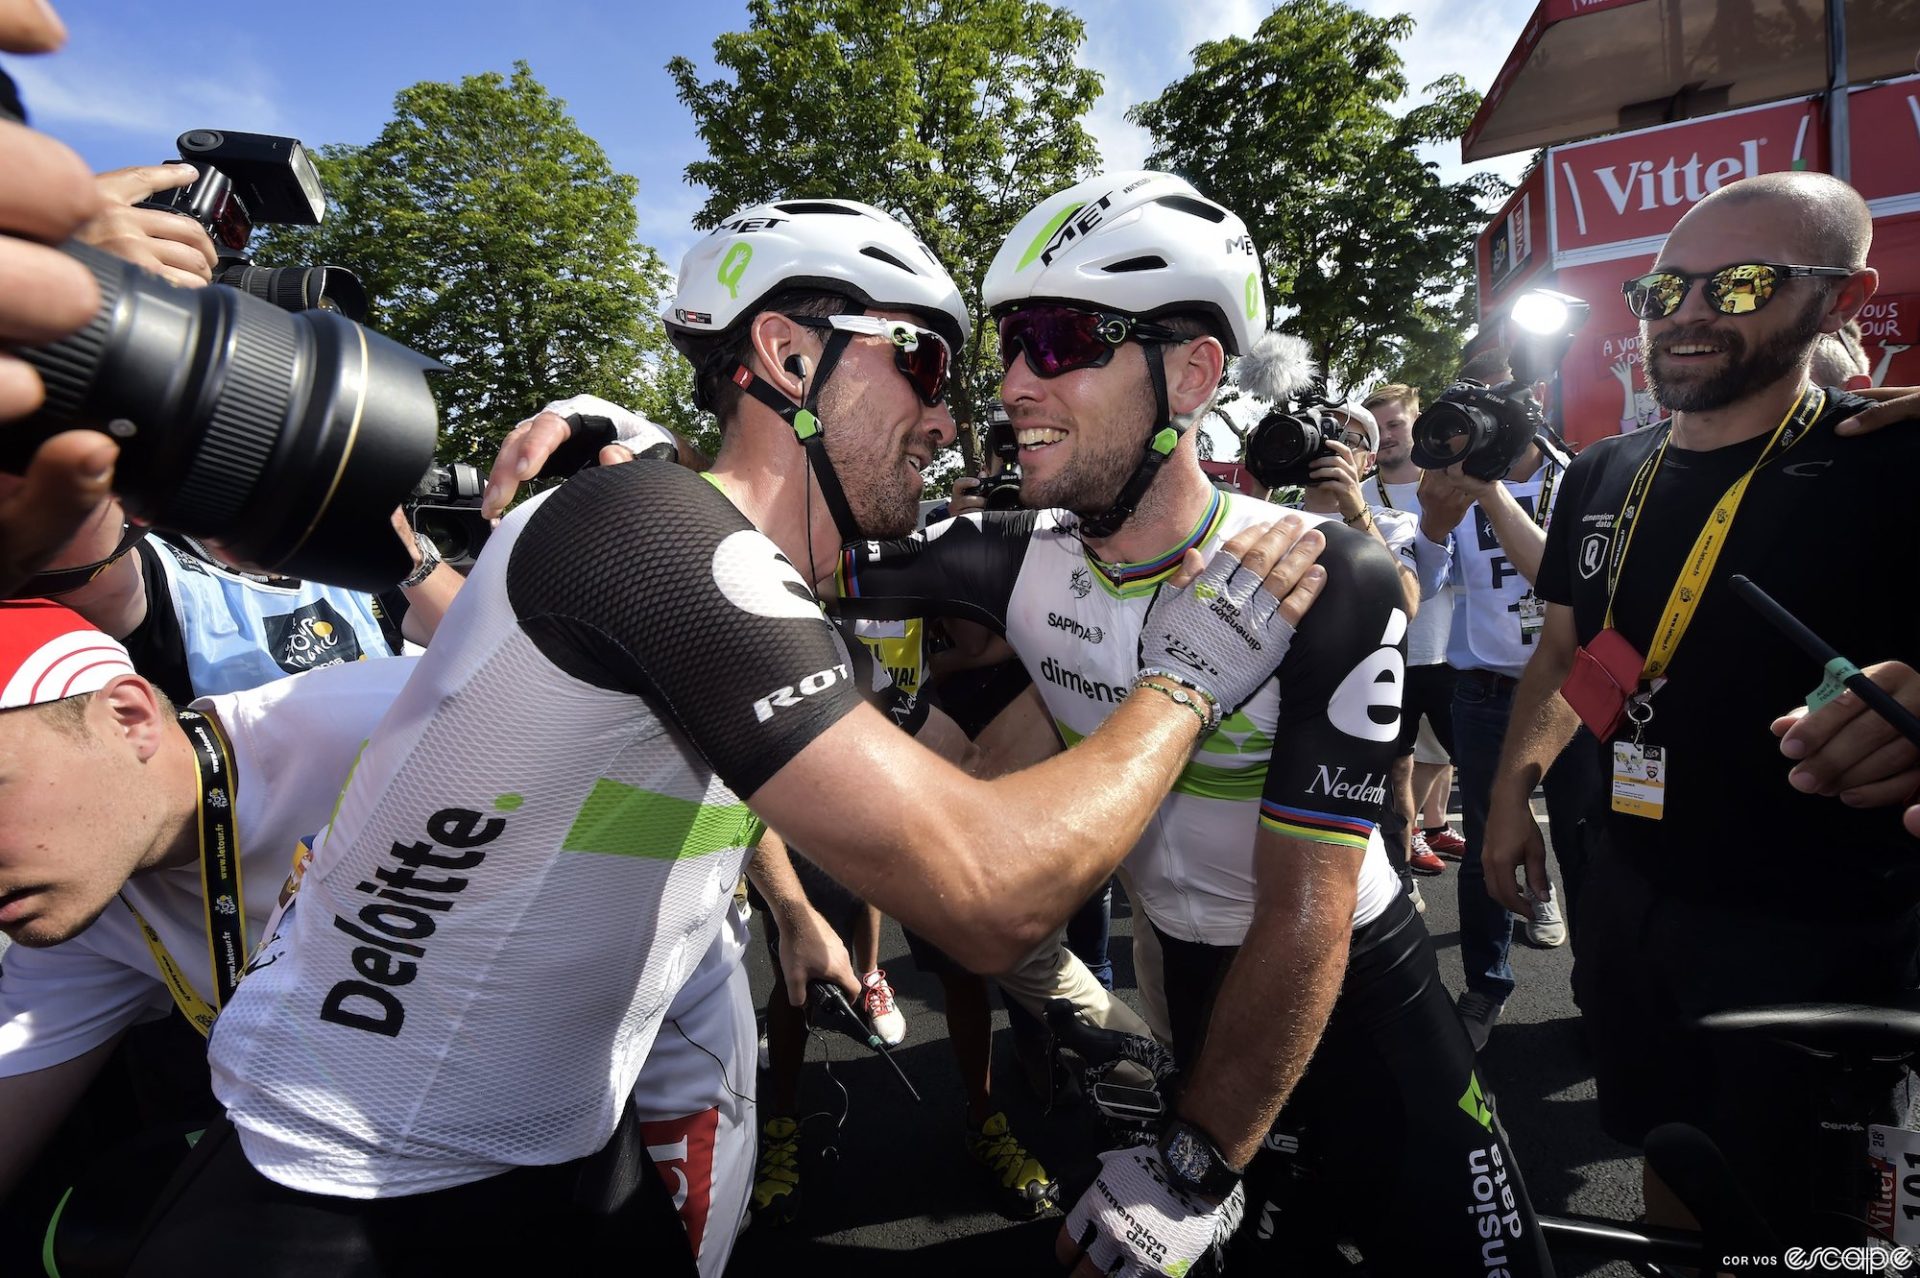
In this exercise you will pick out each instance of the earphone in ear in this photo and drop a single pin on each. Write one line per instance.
(797, 365)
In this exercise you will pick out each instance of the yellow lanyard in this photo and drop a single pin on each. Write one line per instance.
(221, 898)
(1684, 598)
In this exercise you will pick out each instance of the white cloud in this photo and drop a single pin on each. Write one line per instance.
(134, 94)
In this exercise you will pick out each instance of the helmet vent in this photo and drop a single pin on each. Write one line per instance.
(1199, 208)
(815, 206)
(1148, 262)
(888, 258)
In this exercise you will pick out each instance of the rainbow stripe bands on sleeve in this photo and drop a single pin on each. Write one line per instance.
(849, 585)
(1316, 827)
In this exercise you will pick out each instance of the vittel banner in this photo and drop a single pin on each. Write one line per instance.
(1885, 127)
(1633, 186)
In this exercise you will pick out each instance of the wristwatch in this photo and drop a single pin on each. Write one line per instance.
(429, 560)
(1197, 1165)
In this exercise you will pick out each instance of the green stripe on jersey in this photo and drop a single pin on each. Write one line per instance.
(623, 820)
(1202, 780)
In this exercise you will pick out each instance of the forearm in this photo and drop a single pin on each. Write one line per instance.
(1267, 1020)
(37, 1103)
(428, 602)
(1541, 725)
(770, 870)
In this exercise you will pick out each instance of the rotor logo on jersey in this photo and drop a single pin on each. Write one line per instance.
(795, 693)
(1089, 634)
(1080, 583)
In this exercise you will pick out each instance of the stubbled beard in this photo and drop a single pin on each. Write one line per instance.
(1747, 370)
(1090, 483)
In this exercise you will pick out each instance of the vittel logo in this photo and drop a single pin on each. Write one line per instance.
(1644, 187)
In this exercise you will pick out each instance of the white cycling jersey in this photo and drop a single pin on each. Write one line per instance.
(1306, 757)
(536, 848)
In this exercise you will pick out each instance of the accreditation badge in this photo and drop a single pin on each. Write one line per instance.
(1533, 617)
(1639, 780)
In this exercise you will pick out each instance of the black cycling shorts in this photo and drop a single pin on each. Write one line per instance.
(1427, 690)
(1390, 1141)
(220, 1218)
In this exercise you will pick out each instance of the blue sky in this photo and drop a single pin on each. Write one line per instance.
(136, 73)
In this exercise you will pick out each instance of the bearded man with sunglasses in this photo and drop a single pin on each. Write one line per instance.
(1283, 927)
(1689, 909)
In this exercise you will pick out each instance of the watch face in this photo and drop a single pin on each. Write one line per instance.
(1187, 1156)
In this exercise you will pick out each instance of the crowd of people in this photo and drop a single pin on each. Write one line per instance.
(419, 918)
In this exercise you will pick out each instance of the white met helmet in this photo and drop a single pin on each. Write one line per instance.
(837, 246)
(1141, 243)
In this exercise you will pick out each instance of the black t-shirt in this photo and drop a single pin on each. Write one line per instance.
(1824, 528)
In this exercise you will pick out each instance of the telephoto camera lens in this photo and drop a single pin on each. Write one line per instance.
(290, 438)
(1481, 429)
(298, 288)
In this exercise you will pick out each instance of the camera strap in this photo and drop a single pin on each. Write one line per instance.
(1684, 599)
(222, 901)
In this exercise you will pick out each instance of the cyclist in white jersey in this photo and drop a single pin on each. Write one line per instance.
(86, 970)
(1117, 301)
(430, 1060)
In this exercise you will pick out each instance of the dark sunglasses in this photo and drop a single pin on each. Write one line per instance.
(921, 355)
(1060, 339)
(1740, 289)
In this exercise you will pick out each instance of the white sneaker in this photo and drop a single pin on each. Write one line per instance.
(1413, 894)
(876, 1000)
(766, 1060)
(1546, 929)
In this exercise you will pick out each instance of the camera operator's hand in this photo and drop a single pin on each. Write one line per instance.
(30, 26)
(1337, 476)
(1445, 498)
(1891, 404)
(810, 950)
(67, 481)
(1511, 840)
(1845, 749)
(170, 245)
(966, 495)
(44, 294)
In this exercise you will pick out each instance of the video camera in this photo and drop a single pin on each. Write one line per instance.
(1283, 447)
(1001, 490)
(288, 434)
(445, 505)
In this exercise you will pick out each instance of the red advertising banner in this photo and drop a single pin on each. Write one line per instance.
(1884, 125)
(1633, 186)
(1513, 246)
(1890, 323)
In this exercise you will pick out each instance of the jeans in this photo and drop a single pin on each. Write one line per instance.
(1482, 704)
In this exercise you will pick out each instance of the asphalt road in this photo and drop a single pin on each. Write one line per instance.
(891, 1190)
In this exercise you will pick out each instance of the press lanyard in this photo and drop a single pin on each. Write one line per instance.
(223, 903)
(1543, 506)
(1698, 568)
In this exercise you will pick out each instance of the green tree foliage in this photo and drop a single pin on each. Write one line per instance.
(1295, 130)
(955, 115)
(495, 236)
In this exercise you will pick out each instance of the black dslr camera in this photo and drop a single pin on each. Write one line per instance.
(1283, 447)
(256, 179)
(1482, 429)
(288, 434)
(1001, 490)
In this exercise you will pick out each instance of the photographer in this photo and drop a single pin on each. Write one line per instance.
(1495, 533)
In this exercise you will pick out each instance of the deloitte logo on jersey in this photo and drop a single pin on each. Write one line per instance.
(403, 914)
(1091, 634)
(1073, 681)
(1367, 788)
